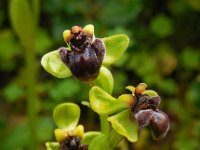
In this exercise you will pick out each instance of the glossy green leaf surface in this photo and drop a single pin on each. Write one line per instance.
(103, 103)
(52, 145)
(89, 136)
(52, 63)
(116, 45)
(66, 115)
(99, 142)
(125, 124)
(22, 21)
(105, 80)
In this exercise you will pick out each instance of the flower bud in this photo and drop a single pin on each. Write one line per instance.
(160, 124)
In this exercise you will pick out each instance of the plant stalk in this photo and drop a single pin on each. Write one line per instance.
(114, 139)
(105, 129)
(32, 101)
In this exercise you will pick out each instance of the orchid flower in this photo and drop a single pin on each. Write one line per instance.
(71, 136)
(84, 54)
(130, 113)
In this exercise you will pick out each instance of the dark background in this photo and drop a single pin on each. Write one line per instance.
(164, 52)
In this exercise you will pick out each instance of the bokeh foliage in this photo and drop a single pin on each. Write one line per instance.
(164, 52)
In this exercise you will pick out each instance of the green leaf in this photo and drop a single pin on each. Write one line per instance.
(89, 136)
(105, 80)
(52, 145)
(22, 21)
(122, 14)
(162, 26)
(17, 135)
(53, 64)
(125, 124)
(99, 142)
(103, 103)
(13, 92)
(66, 115)
(116, 45)
(45, 128)
(195, 4)
(59, 90)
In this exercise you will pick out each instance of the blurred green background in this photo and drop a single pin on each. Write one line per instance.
(164, 52)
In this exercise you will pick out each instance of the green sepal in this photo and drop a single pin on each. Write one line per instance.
(128, 99)
(125, 124)
(53, 64)
(105, 80)
(52, 145)
(89, 136)
(66, 115)
(150, 93)
(99, 142)
(116, 45)
(103, 103)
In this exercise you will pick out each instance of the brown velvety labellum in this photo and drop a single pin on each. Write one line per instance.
(72, 143)
(86, 62)
(160, 124)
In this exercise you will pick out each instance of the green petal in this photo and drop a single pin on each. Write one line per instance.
(131, 88)
(52, 145)
(150, 93)
(103, 103)
(125, 124)
(54, 65)
(99, 142)
(129, 99)
(89, 136)
(116, 45)
(66, 115)
(105, 80)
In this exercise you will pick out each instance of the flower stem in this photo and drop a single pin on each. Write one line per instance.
(104, 124)
(32, 101)
(114, 139)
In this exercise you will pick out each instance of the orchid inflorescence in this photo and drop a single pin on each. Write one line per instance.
(84, 57)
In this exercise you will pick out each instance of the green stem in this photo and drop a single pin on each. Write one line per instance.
(114, 139)
(31, 76)
(36, 10)
(32, 101)
(104, 125)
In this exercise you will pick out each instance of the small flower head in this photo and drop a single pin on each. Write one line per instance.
(85, 54)
(146, 111)
(132, 112)
(68, 134)
(70, 139)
